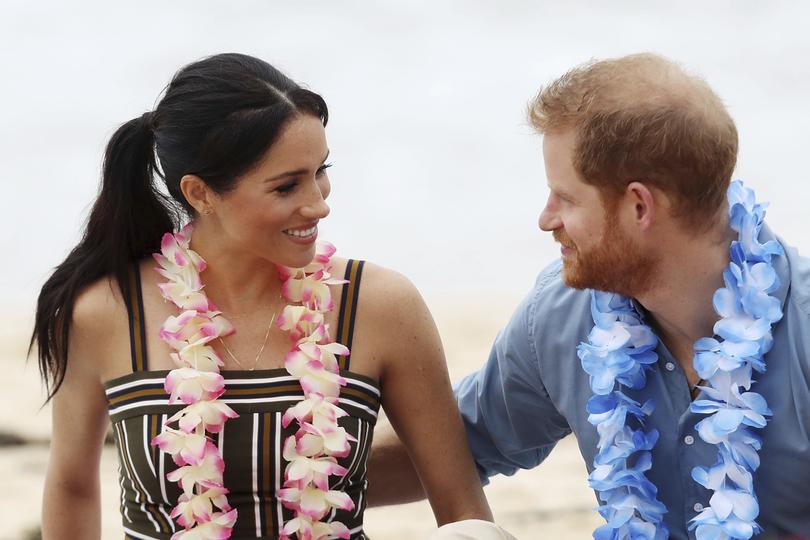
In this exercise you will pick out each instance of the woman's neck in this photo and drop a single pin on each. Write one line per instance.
(236, 281)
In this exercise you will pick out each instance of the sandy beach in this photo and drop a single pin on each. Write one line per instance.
(551, 501)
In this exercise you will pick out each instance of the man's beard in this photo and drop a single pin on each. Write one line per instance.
(617, 264)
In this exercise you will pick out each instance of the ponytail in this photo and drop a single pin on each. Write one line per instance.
(126, 223)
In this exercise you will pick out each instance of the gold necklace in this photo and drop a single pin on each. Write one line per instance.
(258, 355)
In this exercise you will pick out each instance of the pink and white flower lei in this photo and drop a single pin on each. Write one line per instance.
(203, 510)
(313, 451)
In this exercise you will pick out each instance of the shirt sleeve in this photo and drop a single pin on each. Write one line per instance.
(510, 420)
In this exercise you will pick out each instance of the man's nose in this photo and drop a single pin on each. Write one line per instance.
(549, 219)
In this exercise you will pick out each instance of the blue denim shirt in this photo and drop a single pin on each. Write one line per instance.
(532, 392)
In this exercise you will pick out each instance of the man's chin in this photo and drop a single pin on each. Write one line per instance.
(576, 277)
(572, 277)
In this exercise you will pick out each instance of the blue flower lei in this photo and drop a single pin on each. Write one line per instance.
(619, 351)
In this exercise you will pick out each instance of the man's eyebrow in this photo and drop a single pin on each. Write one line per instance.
(560, 192)
(296, 172)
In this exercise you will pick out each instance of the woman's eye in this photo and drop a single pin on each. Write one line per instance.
(322, 168)
(286, 188)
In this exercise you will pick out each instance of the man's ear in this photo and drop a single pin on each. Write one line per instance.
(644, 202)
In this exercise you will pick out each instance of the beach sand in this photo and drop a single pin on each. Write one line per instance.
(551, 501)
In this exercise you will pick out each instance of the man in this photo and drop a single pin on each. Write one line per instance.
(639, 157)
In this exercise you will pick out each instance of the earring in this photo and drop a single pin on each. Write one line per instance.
(207, 212)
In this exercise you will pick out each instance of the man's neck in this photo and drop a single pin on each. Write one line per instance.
(680, 301)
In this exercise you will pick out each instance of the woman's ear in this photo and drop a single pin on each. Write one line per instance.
(197, 193)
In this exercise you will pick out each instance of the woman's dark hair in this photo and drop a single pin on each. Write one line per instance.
(217, 118)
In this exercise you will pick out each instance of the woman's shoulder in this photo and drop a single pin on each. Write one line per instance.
(382, 289)
(98, 328)
(97, 306)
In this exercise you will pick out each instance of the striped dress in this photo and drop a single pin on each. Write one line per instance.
(251, 445)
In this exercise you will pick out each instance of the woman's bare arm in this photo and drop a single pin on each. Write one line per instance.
(418, 400)
(392, 478)
(71, 502)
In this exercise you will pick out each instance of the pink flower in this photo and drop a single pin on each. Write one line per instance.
(184, 295)
(328, 438)
(174, 249)
(317, 380)
(190, 386)
(314, 404)
(209, 468)
(323, 253)
(194, 328)
(210, 414)
(199, 357)
(310, 291)
(185, 448)
(219, 527)
(306, 529)
(299, 321)
(306, 352)
(303, 470)
(200, 507)
(182, 267)
(313, 376)
(189, 334)
(312, 502)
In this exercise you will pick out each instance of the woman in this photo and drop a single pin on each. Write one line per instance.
(243, 155)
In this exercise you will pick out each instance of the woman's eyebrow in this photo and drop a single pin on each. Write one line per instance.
(296, 172)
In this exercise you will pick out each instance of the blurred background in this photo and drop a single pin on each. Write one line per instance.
(436, 172)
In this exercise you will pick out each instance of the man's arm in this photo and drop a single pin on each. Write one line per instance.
(510, 421)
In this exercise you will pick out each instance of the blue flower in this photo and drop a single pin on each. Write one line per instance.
(743, 446)
(749, 240)
(710, 527)
(726, 419)
(617, 350)
(606, 359)
(711, 355)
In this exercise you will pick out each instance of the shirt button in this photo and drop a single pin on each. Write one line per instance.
(689, 440)
(670, 366)
(698, 507)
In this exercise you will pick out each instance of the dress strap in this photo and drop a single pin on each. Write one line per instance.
(137, 330)
(348, 307)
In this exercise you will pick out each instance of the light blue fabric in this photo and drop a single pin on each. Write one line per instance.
(532, 392)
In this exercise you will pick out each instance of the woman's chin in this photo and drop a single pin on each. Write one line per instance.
(297, 258)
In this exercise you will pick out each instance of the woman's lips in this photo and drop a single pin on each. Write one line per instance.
(305, 235)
